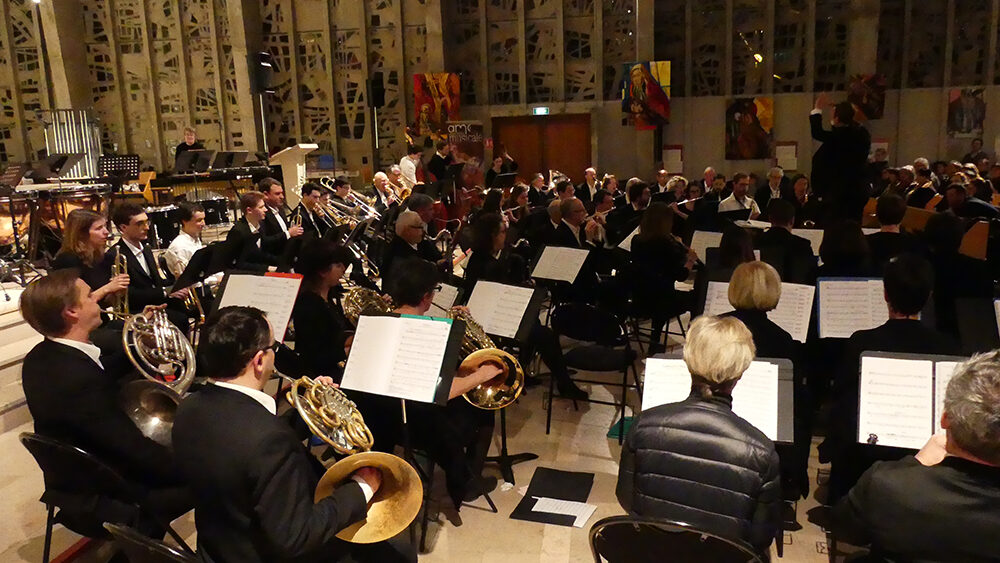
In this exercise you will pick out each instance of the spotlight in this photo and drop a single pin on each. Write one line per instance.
(758, 57)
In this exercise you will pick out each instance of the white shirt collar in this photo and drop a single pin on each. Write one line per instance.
(261, 397)
(137, 250)
(92, 352)
(576, 230)
(253, 230)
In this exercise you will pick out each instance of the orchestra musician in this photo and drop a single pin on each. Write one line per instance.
(85, 239)
(245, 236)
(308, 209)
(321, 338)
(252, 476)
(408, 167)
(190, 142)
(661, 185)
(384, 194)
(538, 192)
(586, 190)
(503, 163)
(275, 230)
(623, 220)
(739, 200)
(188, 241)
(438, 164)
(342, 189)
(409, 242)
(72, 393)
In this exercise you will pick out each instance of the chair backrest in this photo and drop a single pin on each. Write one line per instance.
(620, 539)
(587, 323)
(141, 549)
(69, 469)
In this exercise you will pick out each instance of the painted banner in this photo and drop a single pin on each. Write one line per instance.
(646, 94)
(436, 102)
(966, 112)
(749, 128)
(867, 93)
(467, 140)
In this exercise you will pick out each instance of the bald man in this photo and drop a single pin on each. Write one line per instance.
(586, 190)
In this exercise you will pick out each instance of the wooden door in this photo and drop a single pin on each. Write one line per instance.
(546, 142)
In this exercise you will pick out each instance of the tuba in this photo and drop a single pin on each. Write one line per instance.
(479, 349)
(335, 419)
(166, 359)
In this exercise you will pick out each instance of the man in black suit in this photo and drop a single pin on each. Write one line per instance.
(541, 226)
(146, 284)
(73, 398)
(956, 276)
(586, 190)
(939, 505)
(574, 231)
(252, 476)
(409, 242)
(308, 210)
(438, 164)
(623, 220)
(891, 241)
(776, 187)
(798, 263)
(839, 167)
(908, 282)
(275, 230)
(245, 236)
(538, 192)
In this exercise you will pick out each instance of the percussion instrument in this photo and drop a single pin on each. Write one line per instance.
(17, 207)
(163, 225)
(216, 210)
(55, 203)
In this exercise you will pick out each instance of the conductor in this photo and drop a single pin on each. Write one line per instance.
(838, 167)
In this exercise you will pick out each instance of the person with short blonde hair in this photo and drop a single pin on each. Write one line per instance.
(698, 462)
(755, 286)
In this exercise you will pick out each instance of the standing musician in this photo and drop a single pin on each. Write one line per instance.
(308, 209)
(245, 236)
(321, 338)
(72, 394)
(275, 230)
(252, 476)
(190, 142)
(408, 167)
(503, 163)
(438, 165)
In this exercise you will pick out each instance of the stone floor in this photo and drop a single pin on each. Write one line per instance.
(577, 442)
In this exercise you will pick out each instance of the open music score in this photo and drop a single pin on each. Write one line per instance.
(560, 263)
(792, 313)
(701, 241)
(445, 299)
(814, 236)
(901, 398)
(499, 308)
(847, 305)
(626, 243)
(398, 356)
(272, 293)
(755, 397)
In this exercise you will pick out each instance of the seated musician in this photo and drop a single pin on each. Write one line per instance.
(956, 276)
(423, 205)
(939, 505)
(72, 394)
(575, 231)
(147, 286)
(754, 290)
(503, 163)
(798, 263)
(384, 194)
(85, 239)
(457, 436)
(538, 191)
(658, 260)
(891, 240)
(342, 189)
(409, 242)
(252, 476)
(739, 200)
(188, 241)
(275, 230)
(623, 220)
(908, 281)
(308, 210)
(515, 207)
(493, 260)
(320, 326)
(245, 236)
(696, 461)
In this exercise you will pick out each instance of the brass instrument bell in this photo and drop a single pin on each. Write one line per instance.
(479, 349)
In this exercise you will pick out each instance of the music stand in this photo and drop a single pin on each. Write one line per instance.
(195, 270)
(54, 166)
(229, 159)
(123, 166)
(193, 162)
(13, 174)
(504, 181)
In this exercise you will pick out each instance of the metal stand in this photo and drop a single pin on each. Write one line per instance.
(505, 460)
(21, 264)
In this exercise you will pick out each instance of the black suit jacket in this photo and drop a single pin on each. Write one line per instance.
(908, 511)
(840, 167)
(438, 166)
(254, 483)
(886, 246)
(143, 288)
(248, 255)
(320, 333)
(763, 195)
(311, 223)
(797, 261)
(582, 193)
(563, 236)
(272, 238)
(399, 250)
(621, 222)
(74, 400)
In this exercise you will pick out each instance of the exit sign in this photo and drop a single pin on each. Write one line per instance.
(541, 110)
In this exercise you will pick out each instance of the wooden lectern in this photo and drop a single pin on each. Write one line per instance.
(293, 170)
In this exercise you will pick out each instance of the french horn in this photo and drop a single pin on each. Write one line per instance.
(335, 419)
(479, 349)
(166, 360)
(359, 300)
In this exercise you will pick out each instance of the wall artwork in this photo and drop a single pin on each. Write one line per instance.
(966, 112)
(867, 93)
(750, 128)
(646, 94)
(467, 140)
(436, 102)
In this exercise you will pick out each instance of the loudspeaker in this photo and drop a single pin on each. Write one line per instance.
(376, 91)
(261, 73)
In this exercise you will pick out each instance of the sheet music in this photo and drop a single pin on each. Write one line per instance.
(814, 236)
(755, 397)
(560, 263)
(896, 402)
(847, 306)
(792, 313)
(397, 357)
(273, 294)
(869, 230)
(626, 244)
(703, 240)
(580, 510)
(787, 156)
(942, 376)
(444, 300)
(499, 308)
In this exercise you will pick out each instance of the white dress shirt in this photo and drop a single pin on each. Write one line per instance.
(137, 251)
(733, 204)
(92, 352)
(254, 230)
(181, 250)
(408, 169)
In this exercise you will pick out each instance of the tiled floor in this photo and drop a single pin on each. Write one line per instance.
(577, 443)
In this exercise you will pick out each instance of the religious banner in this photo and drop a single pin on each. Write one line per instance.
(646, 94)
(867, 93)
(750, 128)
(966, 112)
(436, 102)
(467, 140)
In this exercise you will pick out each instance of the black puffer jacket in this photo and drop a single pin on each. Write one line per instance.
(697, 462)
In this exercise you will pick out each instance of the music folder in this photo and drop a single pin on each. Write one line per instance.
(901, 397)
(559, 263)
(445, 299)
(404, 356)
(195, 270)
(270, 292)
(764, 395)
(793, 312)
(503, 310)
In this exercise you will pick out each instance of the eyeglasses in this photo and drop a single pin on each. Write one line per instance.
(274, 347)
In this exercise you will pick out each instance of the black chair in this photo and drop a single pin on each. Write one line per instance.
(604, 347)
(87, 492)
(141, 549)
(626, 539)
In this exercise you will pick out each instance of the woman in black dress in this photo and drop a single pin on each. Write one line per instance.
(321, 331)
(85, 239)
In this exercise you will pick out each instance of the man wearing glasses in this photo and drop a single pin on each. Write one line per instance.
(409, 242)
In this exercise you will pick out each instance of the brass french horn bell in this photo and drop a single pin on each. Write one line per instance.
(503, 389)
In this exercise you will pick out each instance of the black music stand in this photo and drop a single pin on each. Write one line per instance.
(503, 181)
(54, 166)
(122, 166)
(13, 174)
(193, 162)
(229, 159)
(196, 268)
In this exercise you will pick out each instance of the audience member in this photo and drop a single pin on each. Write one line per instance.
(956, 276)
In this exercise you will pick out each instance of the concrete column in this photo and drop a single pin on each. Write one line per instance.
(862, 37)
(67, 59)
(246, 33)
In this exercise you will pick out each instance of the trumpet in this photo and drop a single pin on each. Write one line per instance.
(119, 266)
